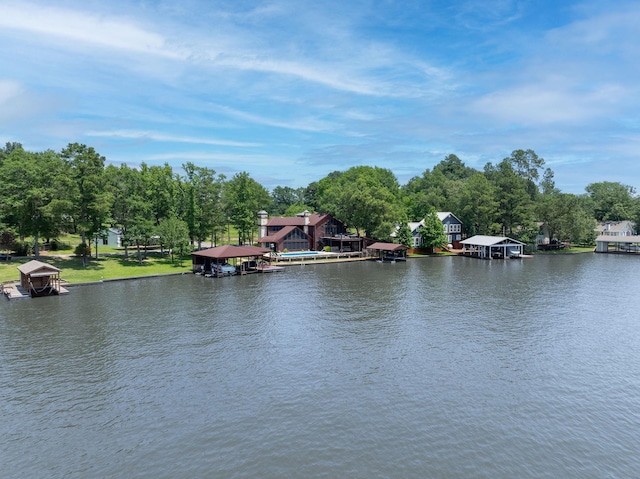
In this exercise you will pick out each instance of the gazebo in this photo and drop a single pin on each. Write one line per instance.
(489, 247)
(212, 259)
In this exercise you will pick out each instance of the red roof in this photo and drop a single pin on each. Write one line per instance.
(231, 251)
(314, 219)
(275, 237)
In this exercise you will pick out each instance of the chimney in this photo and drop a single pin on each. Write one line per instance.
(263, 218)
(305, 215)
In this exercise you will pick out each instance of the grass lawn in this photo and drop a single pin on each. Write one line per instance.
(106, 267)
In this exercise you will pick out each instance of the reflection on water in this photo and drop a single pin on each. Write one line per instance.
(440, 367)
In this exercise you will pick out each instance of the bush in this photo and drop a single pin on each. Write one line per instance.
(22, 248)
(83, 249)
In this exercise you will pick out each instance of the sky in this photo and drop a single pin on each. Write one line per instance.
(291, 90)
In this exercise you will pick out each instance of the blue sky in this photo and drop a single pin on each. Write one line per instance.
(290, 90)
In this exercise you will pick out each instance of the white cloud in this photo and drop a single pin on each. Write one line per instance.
(9, 90)
(86, 28)
(301, 124)
(161, 137)
(543, 104)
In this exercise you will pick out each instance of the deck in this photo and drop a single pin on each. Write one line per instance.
(15, 291)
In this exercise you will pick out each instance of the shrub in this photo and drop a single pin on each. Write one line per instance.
(83, 249)
(22, 248)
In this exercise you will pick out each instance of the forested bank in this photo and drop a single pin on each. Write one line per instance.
(75, 190)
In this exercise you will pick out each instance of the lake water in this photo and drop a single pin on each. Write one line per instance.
(434, 368)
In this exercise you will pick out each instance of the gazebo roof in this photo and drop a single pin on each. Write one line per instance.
(231, 251)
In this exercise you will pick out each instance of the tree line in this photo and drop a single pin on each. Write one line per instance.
(47, 193)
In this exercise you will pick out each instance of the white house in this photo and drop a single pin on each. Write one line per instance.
(616, 228)
(112, 237)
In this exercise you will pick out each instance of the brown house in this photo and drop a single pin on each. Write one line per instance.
(306, 231)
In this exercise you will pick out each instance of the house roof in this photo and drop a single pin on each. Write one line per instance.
(615, 226)
(387, 246)
(443, 215)
(481, 240)
(415, 225)
(230, 251)
(278, 235)
(35, 267)
(314, 220)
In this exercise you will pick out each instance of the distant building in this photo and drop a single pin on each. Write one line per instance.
(111, 237)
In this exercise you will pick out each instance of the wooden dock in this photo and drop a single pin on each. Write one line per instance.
(15, 291)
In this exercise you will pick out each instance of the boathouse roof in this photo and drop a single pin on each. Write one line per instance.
(482, 240)
(387, 246)
(618, 239)
(231, 251)
(37, 268)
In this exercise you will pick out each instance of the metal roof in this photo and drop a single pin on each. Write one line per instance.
(387, 246)
(618, 239)
(481, 240)
(231, 251)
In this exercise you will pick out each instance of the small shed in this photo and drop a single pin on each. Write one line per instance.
(389, 251)
(488, 247)
(40, 279)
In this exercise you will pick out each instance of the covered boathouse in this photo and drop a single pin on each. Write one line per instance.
(490, 247)
(389, 251)
(214, 261)
(617, 244)
(38, 279)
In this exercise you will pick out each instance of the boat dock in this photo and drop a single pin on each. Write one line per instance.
(14, 290)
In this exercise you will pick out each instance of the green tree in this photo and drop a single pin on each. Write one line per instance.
(174, 235)
(244, 197)
(478, 207)
(403, 235)
(296, 208)
(454, 169)
(432, 235)
(130, 209)
(612, 201)
(202, 207)
(363, 197)
(33, 190)
(283, 197)
(89, 198)
(516, 207)
(161, 191)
